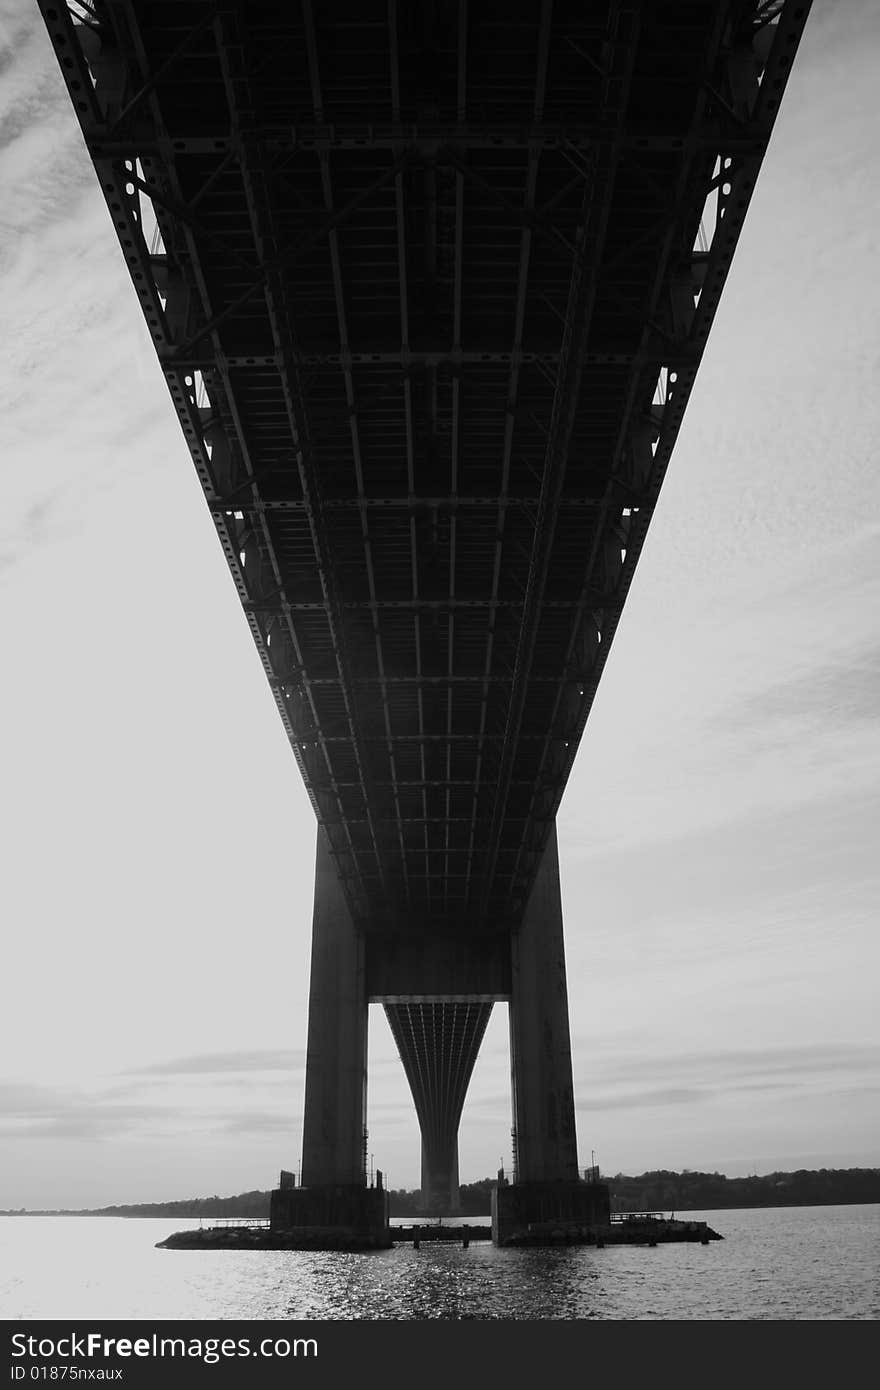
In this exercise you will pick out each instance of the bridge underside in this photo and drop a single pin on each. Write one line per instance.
(429, 285)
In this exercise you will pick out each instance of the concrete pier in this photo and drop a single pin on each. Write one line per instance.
(550, 1213)
(341, 1217)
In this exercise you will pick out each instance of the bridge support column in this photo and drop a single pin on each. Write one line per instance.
(334, 1208)
(540, 1042)
(336, 1059)
(547, 1202)
(440, 1184)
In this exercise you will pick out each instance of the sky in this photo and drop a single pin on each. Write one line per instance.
(719, 834)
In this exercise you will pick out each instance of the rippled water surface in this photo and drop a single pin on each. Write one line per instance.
(800, 1262)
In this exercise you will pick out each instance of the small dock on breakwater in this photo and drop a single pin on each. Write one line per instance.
(636, 1228)
(652, 1228)
(435, 1231)
(642, 1228)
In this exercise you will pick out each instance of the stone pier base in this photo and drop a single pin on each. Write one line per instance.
(342, 1217)
(550, 1213)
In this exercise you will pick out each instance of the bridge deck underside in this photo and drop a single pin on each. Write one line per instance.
(429, 285)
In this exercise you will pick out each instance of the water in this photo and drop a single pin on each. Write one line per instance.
(797, 1262)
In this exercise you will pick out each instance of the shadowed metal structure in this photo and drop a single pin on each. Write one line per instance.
(429, 285)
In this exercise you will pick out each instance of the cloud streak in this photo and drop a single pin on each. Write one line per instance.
(45, 1112)
(690, 1079)
(225, 1063)
(845, 692)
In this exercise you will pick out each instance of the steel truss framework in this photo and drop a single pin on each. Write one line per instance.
(429, 286)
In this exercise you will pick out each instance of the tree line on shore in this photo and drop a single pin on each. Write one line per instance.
(660, 1190)
(688, 1191)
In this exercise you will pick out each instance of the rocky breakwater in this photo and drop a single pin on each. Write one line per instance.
(264, 1238)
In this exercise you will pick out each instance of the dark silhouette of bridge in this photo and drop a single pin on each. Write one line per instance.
(429, 284)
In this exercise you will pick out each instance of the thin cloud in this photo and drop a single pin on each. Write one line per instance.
(44, 1112)
(846, 692)
(745, 1069)
(34, 529)
(225, 1063)
(645, 1100)
(260, 1122)
(41, 164)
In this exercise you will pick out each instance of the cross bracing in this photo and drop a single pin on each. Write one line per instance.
(429, 286)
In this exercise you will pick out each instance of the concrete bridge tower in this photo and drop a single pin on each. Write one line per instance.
(438, 989)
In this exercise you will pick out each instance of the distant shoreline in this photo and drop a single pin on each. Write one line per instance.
(654, 1191)
(203, 1216)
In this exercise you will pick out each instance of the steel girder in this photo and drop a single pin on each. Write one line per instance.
(429, 292)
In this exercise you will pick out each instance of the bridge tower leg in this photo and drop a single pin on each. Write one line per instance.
(334, 1202)
(540, 1042)
(440, 1188)
(336, 1059)
(547, 1196)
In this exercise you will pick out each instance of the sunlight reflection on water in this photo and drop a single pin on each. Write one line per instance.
(806, 1262)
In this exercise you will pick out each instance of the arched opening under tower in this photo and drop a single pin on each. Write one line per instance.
(481, 1143)
(438, 1042)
